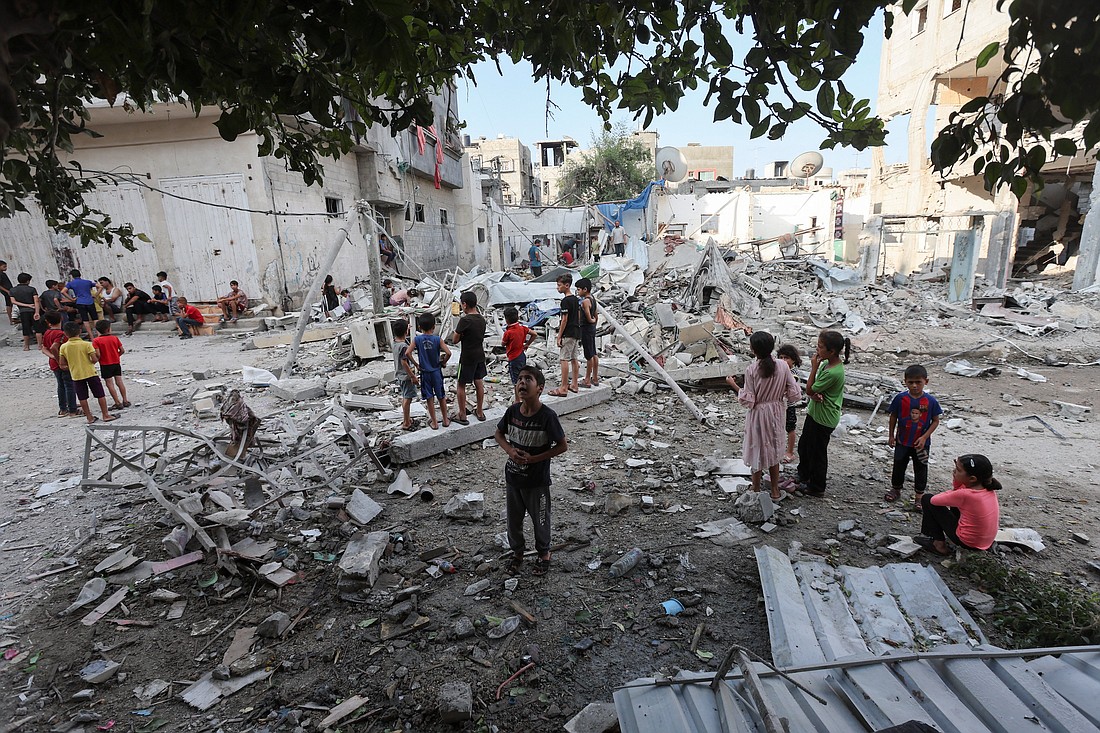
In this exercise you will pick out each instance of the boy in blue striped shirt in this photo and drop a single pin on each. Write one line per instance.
(914, 416)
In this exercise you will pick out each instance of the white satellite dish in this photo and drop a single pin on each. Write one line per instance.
(671, 165)
(805, 165)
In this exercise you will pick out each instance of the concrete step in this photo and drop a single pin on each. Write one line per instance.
(244, 325)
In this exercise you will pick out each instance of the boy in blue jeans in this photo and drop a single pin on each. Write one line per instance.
(914, 416)
(431, 356)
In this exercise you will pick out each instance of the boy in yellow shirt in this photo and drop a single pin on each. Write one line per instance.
(79, 357)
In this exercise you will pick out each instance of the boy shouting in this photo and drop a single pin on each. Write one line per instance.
(531, 434)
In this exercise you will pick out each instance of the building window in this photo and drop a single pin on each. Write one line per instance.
(480, 235)
(443, 217)
(710, 224)
(334, 206)
(408, 212)
(951, 6)
(420, 213)
(920, 19)
(546, 189)
(780, 169)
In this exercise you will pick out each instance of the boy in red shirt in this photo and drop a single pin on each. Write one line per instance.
(516, 339)
(51, 345)
(189, 316)
(110, 351)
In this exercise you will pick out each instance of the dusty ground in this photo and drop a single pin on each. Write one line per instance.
(592, 632)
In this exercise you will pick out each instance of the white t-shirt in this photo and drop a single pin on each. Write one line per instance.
(168, 288)
(618, 235)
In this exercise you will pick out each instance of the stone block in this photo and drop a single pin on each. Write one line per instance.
(200, 375)
(597, 717)
(274, 625)
(704, 329)
(361, 384)
(364, 402)
(296, 390)
(360, 559)
(699, 372)
(362, 509)
(426, 442)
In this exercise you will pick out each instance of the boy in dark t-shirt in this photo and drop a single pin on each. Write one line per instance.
(531, 434)
(914, 416)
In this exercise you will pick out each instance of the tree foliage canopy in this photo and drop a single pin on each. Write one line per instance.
(307, 76)
(617, 167)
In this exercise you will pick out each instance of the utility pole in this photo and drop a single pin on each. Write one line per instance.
(368, 226)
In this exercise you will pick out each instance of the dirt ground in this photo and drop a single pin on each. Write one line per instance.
(592, 632)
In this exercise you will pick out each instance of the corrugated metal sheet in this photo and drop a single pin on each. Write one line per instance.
(954, 689)
(25, 244)
(212, 245)
(846, 634)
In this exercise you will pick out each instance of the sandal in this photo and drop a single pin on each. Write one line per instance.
(480, 415)
(126, 404)
(514, 565)
(893, 494)
(558, 393)
(542, 565)
(918, 507)
(460, 420)
(927, 543)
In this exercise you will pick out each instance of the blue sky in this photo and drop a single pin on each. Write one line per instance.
(514, 105)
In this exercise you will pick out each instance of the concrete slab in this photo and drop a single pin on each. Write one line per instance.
(295, 390)
(283, 338)
(426, 442)
(366, 402)
(699, 372)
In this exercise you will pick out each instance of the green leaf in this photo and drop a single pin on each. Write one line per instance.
(367, 623)
(987, 54)
(1065, 146)
(144, 238)
(705, 656)
(826, 98)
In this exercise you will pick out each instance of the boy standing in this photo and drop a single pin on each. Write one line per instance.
(109, 350)
(406, 378)
(51, 346)
(5, 288)
(81, 289)
(431, 356)
(470, 333)
(569, 336)
(168, 289)
(914, 416)
(30, 310)
(516, 339)
(531, 434)
(588, 317)
(79, 357)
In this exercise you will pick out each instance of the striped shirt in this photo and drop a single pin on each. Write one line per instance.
(532, 434)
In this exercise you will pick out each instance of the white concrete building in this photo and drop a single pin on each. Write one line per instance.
(206, 205)
(509, 161)
(550, 157)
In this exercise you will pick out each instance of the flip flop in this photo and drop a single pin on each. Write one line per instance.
(93, 420)
(786, 460)
(480, 416)
(542, 566)
(112, 418)
(573, 390)
(782, 495)
(460, 421)
(126, 404)
(555, 393)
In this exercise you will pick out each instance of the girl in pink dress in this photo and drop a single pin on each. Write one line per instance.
(769, 387)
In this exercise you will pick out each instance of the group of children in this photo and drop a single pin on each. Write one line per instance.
(967, 516)
(72, 361)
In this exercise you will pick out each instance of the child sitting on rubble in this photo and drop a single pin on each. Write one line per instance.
(789, 354)
(968, 515)
(914, 416)
(431, 356)
(516, 339)
(531, 434)
(406, 378)
(825, 388)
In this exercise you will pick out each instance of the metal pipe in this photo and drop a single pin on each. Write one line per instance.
(314, 291)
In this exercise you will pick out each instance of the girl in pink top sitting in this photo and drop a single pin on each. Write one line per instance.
(968, 515)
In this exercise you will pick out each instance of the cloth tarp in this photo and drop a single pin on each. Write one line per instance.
(834, 278)
(614, 211)
(621, 272)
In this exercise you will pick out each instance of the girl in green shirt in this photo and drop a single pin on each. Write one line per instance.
(825, 388)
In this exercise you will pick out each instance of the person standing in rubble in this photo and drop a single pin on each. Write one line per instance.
(769, 386)
(825, 388)
(469, 333)
(618, 239)
(569, 336)
(534, 256)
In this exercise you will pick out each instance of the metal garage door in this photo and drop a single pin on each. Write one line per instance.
(126, 205)
(212, 245)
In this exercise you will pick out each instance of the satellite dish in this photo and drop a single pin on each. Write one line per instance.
(671, 165)
(805, 165)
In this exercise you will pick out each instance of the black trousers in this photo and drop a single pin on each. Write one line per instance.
(535, 502)
(137, 309)
(940, 522)
(902, 454)
(813, 455)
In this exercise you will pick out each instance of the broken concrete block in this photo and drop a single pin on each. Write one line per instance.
(420, 444)
(273, 626)
(364, 402)
(456, 702)
(362, 509)
(697, 332)
(463, 628)
(845, 525)
(470, 505)
(754, 507)
(1080, 537)
(597, 717)
(975, 600)
(200, 375)
(361, 384)
(99, 671)
(402, 485)
(296, 390)
(616, 503)
(360, 559)
(474, 588)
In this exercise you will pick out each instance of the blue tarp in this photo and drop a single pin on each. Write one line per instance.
(612, 212)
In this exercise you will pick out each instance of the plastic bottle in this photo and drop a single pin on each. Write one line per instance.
(445, 565)
(626, 563)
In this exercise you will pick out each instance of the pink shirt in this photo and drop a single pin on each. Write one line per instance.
(980, 514)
